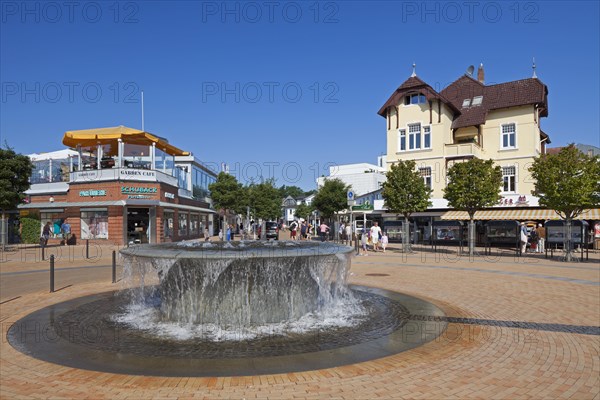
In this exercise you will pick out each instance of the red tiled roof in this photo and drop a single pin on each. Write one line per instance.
(414, 85)
(503, 95)
(553, 150)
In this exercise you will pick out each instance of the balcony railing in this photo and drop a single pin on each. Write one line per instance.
(464, 149)
(122, 174)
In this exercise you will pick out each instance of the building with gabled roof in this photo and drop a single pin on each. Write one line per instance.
(469, 119)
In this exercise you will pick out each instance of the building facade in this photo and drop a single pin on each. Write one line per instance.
(121, 185)
(469, 119)
(362, 177)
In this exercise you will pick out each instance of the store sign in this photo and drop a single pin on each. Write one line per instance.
(366, 206)
(138, 190)
(137, 174)
(92, 193)
(514, 201)
(169, 195)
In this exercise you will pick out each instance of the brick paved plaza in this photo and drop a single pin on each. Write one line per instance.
(518, 328)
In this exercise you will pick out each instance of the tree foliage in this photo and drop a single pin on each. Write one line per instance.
(263, 200)
(227, 193)
(331, 197)
(304, 211)
(405, 191)
(567, 182)
(294, 191)
(15, 171)
(473, 184)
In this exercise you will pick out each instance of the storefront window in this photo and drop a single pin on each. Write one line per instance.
(169, 217)
(94, 224)
(55, 220)
(194, 224)
(183, 224)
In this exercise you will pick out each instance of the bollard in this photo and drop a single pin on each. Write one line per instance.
(43, 253)
(52, 273)
(114, 266)
(87, 249)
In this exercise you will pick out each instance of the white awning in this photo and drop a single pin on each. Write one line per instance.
(520, 214)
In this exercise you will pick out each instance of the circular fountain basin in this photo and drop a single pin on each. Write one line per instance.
(239, 284)
(228, 309)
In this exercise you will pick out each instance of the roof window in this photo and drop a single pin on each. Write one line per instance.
(477, 100)
(466, 103)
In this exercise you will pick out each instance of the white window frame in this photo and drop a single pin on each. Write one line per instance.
(426, 133)
(414, 137)
(506, 174)
(417, 136)
(508, 134)
(425, 173)
(401, 134)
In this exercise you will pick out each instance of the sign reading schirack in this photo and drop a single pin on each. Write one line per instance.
(138, 190)
(90, 193)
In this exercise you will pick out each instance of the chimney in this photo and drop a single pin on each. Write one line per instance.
(480, 77)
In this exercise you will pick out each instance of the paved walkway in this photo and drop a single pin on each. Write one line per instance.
(518, 328)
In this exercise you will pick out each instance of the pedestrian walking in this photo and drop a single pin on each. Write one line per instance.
(541, 233)
(375, 236)
(46, 231)
(303, 229)
(384, 241)
(349, 234)
(323, 230)
(523, 238)
(293, 230)
(364, 238)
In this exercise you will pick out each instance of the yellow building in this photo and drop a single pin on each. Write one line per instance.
(469, 119)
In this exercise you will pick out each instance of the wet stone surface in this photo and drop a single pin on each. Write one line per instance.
(91, 326)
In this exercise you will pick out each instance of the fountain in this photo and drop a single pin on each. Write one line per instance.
(229, 308)
(238, 287)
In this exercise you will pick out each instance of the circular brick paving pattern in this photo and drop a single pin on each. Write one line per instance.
(84, 335)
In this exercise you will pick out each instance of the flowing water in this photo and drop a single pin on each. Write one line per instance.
(237, 290)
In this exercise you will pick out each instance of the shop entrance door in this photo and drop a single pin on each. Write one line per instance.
(138, 225)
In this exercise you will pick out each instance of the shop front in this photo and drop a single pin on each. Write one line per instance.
(121, 185)
(123, 213)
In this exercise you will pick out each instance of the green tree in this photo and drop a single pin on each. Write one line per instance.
(473, 185)
(331, 197)
(304, 211)
(264, 200)
(568, 183)
(15, 171)
(405, 192)
(227, 193)
(294, 191)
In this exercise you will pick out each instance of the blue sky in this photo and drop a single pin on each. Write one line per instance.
(280, 89)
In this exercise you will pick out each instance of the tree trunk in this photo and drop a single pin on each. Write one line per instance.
(568, 242)
(406, 236)
(471, 238)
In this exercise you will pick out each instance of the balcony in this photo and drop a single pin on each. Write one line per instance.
(464, 149)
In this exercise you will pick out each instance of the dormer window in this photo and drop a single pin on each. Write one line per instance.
(477, 100)
(417, 98)
(466, 103)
